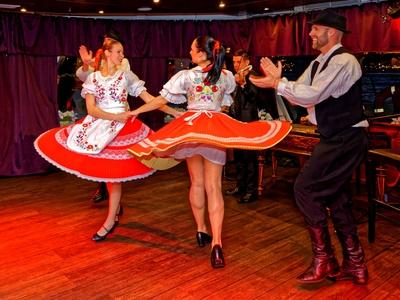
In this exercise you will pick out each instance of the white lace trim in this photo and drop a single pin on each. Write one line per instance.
(92, 178)
(107, 153)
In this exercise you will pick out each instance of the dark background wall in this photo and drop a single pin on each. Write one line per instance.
(30, 44)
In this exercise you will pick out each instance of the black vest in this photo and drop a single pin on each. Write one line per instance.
(337, 114)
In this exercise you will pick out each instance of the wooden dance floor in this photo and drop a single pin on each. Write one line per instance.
(46, 252)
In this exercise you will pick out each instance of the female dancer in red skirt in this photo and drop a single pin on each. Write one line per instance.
(96, 148)
(203, 133)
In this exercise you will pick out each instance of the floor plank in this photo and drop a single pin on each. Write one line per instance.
(46, 252)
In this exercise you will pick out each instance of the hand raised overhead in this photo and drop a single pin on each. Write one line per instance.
(85, 55)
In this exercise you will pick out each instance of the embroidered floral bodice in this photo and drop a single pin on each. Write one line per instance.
(111, 93)
(189, 86)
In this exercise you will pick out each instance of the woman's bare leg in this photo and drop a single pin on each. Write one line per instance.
(212, 183)
(197, 195)
(114, 190)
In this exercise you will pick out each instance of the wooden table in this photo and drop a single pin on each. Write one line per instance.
(377, 168)
(383, 132)
(300, 142)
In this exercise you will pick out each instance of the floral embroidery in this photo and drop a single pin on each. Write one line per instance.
(113, 90)
(205, 92)
(100, 91)
(81, 137)
(116, 93)
(93, 136)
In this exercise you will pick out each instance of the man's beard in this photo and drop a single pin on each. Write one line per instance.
(320, 42)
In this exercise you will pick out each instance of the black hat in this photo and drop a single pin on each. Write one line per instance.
(112, 34)
(331, 19)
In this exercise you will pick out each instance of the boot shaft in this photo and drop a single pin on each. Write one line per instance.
(352, 249)
(321, 241)
(353, 266)
(324, 263)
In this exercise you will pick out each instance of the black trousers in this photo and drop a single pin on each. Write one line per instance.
(325, 180)
(246, 170)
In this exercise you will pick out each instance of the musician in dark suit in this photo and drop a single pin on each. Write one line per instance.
(248, 99)
(330, 89)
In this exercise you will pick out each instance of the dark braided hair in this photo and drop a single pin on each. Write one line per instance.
(215, 53)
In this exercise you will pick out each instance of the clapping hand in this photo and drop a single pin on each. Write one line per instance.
(272, 74)
(270, 69)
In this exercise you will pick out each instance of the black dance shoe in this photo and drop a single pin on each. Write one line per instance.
(203, 238)
(101, 193)
(247, 198)
(97, 237)
(217, 257)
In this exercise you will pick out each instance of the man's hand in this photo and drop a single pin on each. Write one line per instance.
(272, 74)
(270, 69)
(225, 109)
(86, 56)
(305, 120)
(240, 79)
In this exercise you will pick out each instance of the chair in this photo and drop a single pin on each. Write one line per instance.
(381, 165)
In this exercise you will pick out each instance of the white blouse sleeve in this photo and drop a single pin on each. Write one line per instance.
(175, 89)
(88, 87)
(335, 80)
(83, 75)
(135, 85)
(230, 88)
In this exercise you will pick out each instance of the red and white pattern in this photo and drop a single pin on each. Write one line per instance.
(96, 149)
(204, 130)
(113, 164)
(214, 129)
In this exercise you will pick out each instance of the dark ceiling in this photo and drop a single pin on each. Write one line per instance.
(237, 8)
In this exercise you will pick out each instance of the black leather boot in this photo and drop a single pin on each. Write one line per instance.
(101, 193)
(324, 263)
(353, 266)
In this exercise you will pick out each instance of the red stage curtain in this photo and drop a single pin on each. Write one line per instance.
(29, 45)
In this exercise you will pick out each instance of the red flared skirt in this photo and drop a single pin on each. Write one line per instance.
(112, 164)
(212, 128)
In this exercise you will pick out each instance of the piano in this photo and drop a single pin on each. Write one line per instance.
(300, 142)
(383, 133)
